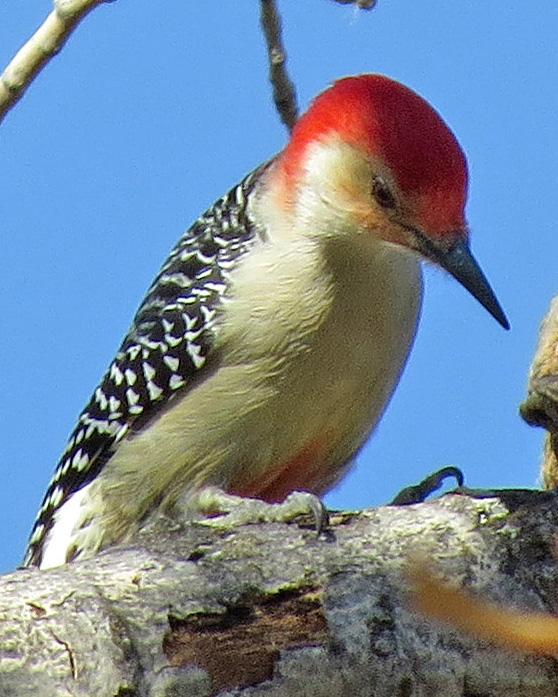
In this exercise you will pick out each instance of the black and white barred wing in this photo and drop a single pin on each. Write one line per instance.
(169, 343)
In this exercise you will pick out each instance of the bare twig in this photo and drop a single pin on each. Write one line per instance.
(284, 93)
(361, 4)
(45, 43)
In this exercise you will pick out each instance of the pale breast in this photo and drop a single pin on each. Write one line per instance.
(353, 313)
(311, 350)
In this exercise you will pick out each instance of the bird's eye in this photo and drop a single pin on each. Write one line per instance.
(382, 194)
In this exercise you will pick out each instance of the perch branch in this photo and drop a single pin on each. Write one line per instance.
(269, 609)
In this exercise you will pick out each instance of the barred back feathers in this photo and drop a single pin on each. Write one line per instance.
(169, 342)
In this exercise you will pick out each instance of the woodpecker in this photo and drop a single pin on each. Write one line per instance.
(269, 344)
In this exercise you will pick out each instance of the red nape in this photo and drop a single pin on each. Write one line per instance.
(304, 472)
(394, 124)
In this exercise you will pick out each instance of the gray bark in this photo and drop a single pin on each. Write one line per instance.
(272, 610)
(540, 408)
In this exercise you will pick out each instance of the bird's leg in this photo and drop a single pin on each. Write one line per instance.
(419, 492)
(227, 510)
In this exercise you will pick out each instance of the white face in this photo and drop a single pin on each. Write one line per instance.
(340, 192)
(346, 192)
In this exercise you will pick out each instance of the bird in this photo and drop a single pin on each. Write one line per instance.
(267, 348)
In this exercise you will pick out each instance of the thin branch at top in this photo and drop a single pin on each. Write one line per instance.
(45, 43)
(284, 93)
(361, 4)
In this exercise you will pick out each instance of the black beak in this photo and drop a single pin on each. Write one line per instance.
(462, 265)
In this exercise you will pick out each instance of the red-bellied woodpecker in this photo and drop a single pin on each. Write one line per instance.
(269, 344)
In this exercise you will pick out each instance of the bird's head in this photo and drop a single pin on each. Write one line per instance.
(371, 156)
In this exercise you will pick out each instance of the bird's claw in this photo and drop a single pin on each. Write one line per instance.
(227, 510)
(419, 492)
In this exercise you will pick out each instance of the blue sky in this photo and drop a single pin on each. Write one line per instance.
(152, 111)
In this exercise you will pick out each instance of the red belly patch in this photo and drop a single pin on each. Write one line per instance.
(306, 471)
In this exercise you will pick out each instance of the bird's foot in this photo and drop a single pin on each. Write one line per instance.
(226, 510)
(421, 491)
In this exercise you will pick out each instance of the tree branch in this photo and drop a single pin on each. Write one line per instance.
(541, 406)
(284, 92)
(45, 43)
(361, 4)
(273, 610)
